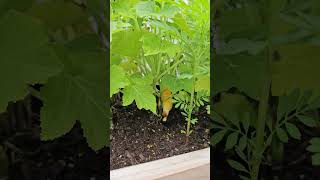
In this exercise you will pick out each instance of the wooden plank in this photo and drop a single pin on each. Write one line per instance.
(198, 173)
(165, 167)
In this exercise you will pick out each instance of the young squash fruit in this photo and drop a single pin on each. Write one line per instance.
(166, 103)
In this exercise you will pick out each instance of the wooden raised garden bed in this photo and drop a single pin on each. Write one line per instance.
(193, 165)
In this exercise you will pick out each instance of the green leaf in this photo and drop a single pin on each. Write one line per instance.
(241, 154)
(217, 118)
(203, 83)
(145, 8)
(282, 135)
(165, 27)
(69, 13)
(236, 165)
(153, 44)
(217, 137)
(118, 79)
(231, 140)
(190, 132)
(242, 22)
(315, 141)
(316, 159)
(314, 148)
(182, 23)
(288, 36)
(149, 8)
(139, 79)
(236, 46)
(142, 94)
(315, 104)
(235, 108)
(124, 8)
(242, 143)
(304, 99)
(287, 103)
(175, 84)
(308, 121)
(293, 131)
(26, 57)
(315, 145)
(194, 121)
(241, 71)
(246, 123)
(169, 10)
(78, 96)
(6, 5)
(284, 72)
(312, 20)
(126, 43)
(86, 42)
(170, 48)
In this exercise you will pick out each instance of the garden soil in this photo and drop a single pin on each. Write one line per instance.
(138, 136)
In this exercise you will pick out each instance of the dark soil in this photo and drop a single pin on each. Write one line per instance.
(138, 136)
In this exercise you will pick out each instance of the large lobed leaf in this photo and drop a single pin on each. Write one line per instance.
(140, 91)
(118, 79)
(126, 43)
(26, 57)
(79, 93)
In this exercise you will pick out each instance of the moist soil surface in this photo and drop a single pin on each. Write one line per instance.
(138, 136)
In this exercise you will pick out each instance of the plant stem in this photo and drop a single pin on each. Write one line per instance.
(190, 113)
(191, 100)
(262, 117)
(137, 26)
(269, 139)
(159, 65)
(169, 69)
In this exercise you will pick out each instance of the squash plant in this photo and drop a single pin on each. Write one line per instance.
(66, 53)
(160, 42)
(266, 58)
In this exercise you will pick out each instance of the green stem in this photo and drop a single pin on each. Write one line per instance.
(237, 131)
(169, 69)
(269, 139)
(159, 65)
(262, 117)
(190, 113)
(191, 100)
(137, 27)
